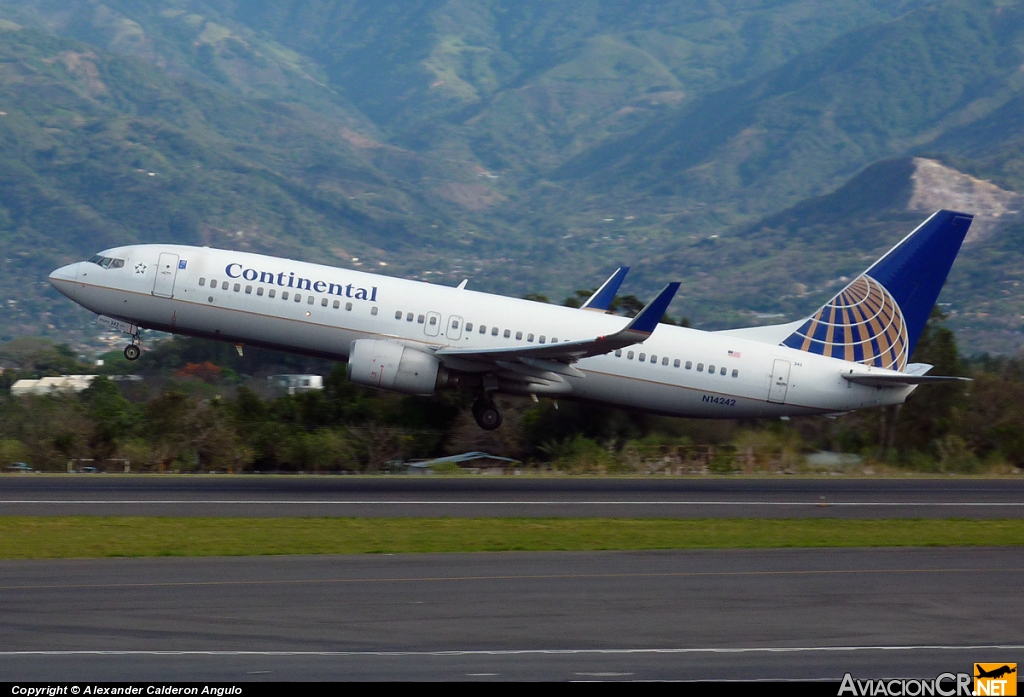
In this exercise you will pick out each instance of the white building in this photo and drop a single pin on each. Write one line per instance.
(65, 383)
(298, 383)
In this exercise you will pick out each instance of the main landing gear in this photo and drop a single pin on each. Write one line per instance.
(132, 350)
(486, 413)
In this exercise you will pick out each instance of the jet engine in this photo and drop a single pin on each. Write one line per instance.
(392, 366)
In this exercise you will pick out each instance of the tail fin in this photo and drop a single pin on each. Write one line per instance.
(878, 318)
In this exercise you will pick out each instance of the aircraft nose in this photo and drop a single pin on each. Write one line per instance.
(64, 273)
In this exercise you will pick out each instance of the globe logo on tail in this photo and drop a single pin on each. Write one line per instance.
(862, 324)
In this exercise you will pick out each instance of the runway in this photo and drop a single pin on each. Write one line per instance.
(486, 496)
(691, 615)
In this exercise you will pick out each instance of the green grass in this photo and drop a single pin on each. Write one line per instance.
(86, 536)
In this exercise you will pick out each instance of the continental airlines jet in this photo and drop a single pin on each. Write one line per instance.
(418, 338)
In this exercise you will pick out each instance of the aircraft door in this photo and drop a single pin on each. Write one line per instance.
(166, 271)
(780, 382)
(433, 324)
(454, 332)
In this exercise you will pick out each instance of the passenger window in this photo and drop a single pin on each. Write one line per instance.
(419, 320)
(675, 363)
(433, 321)
(298, 297)
(508, 333)
(373, 311)
(483, 329)
(654, 359)
(554, 340)
(541, 339)
(310, 300)
(271, 293)
(348, 307)
(202, 281)
(408, 317)
(284, 295)
(711, 369)
(455, 324)
(643, 357)
(248, 290)
(337, 304)
(213, 284)
(238, 287)
(323, 303)
(629, 356)
(494, 331)
(664, 361)
(259, 291)
(519, 336)
(735, 373)
(398, 314)
(469, 326)
(618, 353)
(529, 337)
(700, 367)
(689, 364)
(722, 371)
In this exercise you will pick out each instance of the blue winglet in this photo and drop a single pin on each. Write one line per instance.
(602, 298)
(649, 317)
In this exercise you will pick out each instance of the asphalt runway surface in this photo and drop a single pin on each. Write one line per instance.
(687, 615)
(508, 496)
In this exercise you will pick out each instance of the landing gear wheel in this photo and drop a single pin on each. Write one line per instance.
(486, 414)
(132, 352)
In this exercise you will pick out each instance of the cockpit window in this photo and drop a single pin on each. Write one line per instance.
(107, 262)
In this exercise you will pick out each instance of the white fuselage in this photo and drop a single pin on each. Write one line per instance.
(320, 310)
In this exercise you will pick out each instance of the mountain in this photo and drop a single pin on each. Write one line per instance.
(757, 149)
(804, 127)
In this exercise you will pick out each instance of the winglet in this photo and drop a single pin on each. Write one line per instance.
(648, 319)
(602, 298)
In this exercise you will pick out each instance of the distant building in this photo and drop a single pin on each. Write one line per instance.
(297, 383)
(65, 383)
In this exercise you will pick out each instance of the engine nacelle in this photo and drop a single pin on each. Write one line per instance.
(392, 366)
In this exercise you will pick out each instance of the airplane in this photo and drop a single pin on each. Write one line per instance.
(995, 672)
(418, 338)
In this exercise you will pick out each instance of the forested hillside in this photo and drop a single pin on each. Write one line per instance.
(758, 151)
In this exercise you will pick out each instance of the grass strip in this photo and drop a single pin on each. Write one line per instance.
(25, 537)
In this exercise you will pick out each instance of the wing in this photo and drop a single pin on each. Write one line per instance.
(636, 332)
(602, 298)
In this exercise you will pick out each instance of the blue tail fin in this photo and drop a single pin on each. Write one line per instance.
(878, 318)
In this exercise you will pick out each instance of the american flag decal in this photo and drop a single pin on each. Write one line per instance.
(734, 354)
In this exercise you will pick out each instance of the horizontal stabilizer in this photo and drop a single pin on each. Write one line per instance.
(899, 380)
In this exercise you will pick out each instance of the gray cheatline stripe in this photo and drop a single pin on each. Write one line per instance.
(527, 652)
(399, 502)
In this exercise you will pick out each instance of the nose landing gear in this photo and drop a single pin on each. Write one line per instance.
(486, 413)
